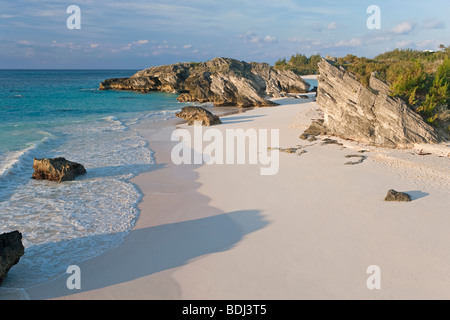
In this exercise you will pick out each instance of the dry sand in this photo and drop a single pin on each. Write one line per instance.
(308, 232)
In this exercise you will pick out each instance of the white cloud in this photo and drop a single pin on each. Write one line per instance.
(404, 28)
(355, 42)
(187, 46)
(46, 12)
(332, 26)
(270, 39)
(254, 38)
(24, 42)
(250, 37)
(69, 45)
(7, 16)
(94, 45)
(140, 42)
(130, 45)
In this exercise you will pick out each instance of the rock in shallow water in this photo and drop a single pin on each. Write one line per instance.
(57, 169)
(193, 114)
(11, 249)
(397, 196)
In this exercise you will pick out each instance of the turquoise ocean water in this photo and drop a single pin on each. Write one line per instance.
(51, 113)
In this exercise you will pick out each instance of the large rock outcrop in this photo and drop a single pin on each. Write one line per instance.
(222, 81)
(369, 115)
(194, 114)
(11, 249)
(57, 169)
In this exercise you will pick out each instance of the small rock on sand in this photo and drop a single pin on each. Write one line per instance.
(194, 114)
(393, 195)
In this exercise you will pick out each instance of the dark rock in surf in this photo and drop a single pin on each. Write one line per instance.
(57, 169)
(11, 249)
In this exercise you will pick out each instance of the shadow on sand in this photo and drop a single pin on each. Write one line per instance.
(239, 119)
(417, 194)
(149, 250)
(156, 249)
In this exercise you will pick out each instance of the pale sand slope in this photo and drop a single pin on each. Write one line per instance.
(309, 232)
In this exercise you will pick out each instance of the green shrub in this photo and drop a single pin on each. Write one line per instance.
(438, 94)
(407, 79)
(300, 64)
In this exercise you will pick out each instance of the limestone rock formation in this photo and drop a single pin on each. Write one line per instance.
(393, 195)
(222, 81)
(369, 115)
(193, 114)
(315, 129)
(57, 169)
(11, 249)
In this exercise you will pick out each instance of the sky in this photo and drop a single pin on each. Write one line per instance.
(137, 34)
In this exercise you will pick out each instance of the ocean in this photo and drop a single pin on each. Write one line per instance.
(61, 113)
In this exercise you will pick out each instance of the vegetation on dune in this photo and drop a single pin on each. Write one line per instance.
(300, 64)
(420, 78)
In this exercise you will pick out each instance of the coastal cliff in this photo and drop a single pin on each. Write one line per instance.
(370, 115)
(222, 81)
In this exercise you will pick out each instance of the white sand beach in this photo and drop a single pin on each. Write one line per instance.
(308, 232)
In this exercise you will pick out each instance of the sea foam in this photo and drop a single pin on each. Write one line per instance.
(67, 223)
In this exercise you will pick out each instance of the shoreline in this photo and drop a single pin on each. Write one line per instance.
(318, 227)
(55, 287)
